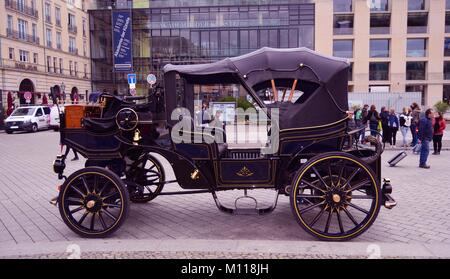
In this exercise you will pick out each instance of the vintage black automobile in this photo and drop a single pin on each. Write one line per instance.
(334, 184)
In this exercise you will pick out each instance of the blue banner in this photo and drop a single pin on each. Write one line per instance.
(122, 41)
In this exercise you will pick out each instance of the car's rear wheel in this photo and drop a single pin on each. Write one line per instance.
(9, 131)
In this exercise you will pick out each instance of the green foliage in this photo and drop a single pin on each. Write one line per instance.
(442, 107)
(241, 102)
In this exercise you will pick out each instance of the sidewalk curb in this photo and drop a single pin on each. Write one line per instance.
(300, 248)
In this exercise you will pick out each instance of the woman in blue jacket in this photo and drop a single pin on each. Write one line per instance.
(393, 127)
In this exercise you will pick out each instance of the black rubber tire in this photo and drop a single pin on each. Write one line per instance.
(375, 206)
(34, 128)
(9, 132)
(137, 199)
(56, 129)
(112, 179)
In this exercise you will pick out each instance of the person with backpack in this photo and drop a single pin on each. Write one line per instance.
(438, 133)
(394, 124)
(405, 123)
(415, 113)
(373, 117)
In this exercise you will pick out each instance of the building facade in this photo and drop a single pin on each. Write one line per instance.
(194, 31)
(393, 45)
(43, 44)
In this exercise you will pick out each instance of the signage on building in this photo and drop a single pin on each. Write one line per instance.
(131, 78)
(122, 41)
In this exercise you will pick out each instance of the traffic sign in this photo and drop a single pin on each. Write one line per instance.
(151, 79)
(131, 78)
(133, 91)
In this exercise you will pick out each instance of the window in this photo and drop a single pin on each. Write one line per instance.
(72, 45)
(447, 47)
(23, 26)
(21, 5)
(85, 70)
(35, 58)
(379, 48)
(350, 72)
(446, 69)
(75, 68)
(11, 53)
(34, 32)
(447, 4)
(341, 6)
(416, 5)
(55, 62)
(9, 30)
(415, 70)
(48, 37)
(84, 48)
(72, 23)
(343, 48)
(416, 47)
(343, 25)
(84, 27)
(380, 23)
(49, 66)
(446, 94)
(70, 67)
(58, 40)
(24, 56)
(58, 16)
(447, 22)
(417, 22)
(61, 71)
(47, 13)
(379, 71)
(379, 6)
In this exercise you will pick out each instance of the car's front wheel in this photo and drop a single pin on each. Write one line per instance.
(34, 128)
(9, 131)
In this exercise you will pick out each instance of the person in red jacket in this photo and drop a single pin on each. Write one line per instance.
(438, 133)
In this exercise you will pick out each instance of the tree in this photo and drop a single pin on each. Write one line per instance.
(442, 107)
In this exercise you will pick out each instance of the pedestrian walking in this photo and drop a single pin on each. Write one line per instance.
(405, 124)
(364, 112)
(438, 133)
(373, 117)
(425, 136)
(415, 113)
(393, 127)
(384, 117)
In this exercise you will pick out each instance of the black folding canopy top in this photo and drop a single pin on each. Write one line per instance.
(323, 80)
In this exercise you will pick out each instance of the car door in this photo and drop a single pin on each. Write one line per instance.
(47, 116)
(40, 118)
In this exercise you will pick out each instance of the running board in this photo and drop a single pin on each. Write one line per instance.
(245, 210)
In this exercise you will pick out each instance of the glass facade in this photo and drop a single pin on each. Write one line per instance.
(416, 47)
(183, 34)
(379, 48)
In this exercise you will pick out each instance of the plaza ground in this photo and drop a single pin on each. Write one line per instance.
(191, 226)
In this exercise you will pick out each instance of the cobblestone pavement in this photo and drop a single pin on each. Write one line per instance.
(27, 183)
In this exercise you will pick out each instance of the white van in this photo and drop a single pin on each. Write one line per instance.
(31, 119)
(54, 117)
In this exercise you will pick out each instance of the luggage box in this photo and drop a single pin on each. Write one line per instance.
(397, 158)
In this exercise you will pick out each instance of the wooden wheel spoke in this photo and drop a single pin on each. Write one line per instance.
(341, 227)
(320, 177)
(341, 173)
(111, 205)
(110, 195)
(357, 207)
(350, 216)
(358, 185)
(362, 197)
(77, 191)
(102, 221)
(317, 217)
(92, 222)
(310, 196)
(107, 213)
(330, 173)
(313, 186)
(85, 184)
(76, 209)
(83, 217)
(327, 225)
(74, 201)
(308, 208)
(354, 173)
